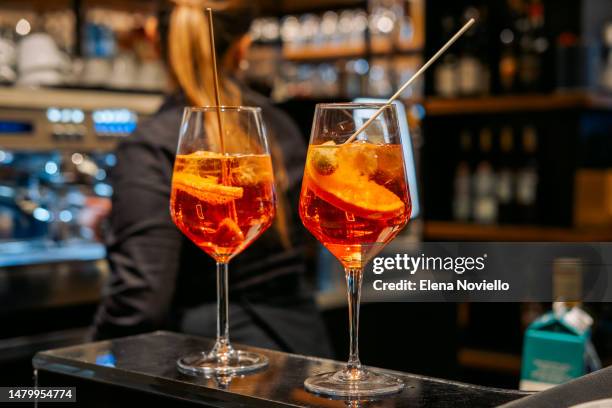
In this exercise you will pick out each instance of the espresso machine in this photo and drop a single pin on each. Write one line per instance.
(56, 151)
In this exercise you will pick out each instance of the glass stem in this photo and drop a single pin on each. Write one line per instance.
(353, 286)
(223, 348)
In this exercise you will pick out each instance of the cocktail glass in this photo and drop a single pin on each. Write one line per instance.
(354, 200)
(223, 198)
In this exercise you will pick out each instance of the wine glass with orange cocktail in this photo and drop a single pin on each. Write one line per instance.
(354, 200)
(222, 199)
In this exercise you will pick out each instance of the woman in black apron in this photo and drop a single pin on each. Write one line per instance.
(159, 279)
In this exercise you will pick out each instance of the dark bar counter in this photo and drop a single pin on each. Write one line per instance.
(142, 370)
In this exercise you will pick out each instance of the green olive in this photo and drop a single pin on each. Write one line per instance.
(325, 161)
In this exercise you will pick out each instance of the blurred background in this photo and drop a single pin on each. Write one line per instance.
(512, 132)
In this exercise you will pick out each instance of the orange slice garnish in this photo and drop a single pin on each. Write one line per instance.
(353, 192)
(206, 188)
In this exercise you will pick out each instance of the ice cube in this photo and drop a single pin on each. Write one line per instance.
(363, 156)
(228, 234)
(244, 176)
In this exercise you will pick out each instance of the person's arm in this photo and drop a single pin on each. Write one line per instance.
(143, 244)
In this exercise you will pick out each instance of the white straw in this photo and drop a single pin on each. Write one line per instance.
(415, 76)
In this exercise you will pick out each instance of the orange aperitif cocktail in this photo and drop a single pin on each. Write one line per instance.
(354, 200)
(222, 199)
(222, 202)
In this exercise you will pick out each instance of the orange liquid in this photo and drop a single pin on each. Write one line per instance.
(222, 203)
(354, 198)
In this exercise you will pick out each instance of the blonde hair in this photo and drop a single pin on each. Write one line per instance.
(189, 55)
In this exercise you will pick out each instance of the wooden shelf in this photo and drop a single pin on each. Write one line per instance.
(489, 360)
(303, 6)
(333, 53)
(86, 99)
(517, 103)
(130, 5)
(452, 231)
(35, 4)
(312, 53)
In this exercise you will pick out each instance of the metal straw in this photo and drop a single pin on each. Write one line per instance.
(415, 76)
(211, 36)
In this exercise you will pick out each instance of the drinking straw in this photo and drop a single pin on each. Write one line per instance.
(225, 168)
(211, 36)
(415, 76)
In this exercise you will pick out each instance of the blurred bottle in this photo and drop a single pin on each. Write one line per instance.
(485, 209)
(533, 47)
(330, 29)
(527, 177)
(355, 77)
(290, 33)
(8, 54)
(506, 177)
(445, 77)
(462, 200)
(406, 28)
(404, 67)
(270, 31)
(99, 41)
(483, 49)
(326, 83)
(358, 20)
(383, 20)
(350, 28)
(379, 79)
(471, 72)
(607, 69)
(309, 30)
(508, 60)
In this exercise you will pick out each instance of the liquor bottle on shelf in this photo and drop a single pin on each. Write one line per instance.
(473, 75)
(290, 33)
(445, 76)
(310, 31)
(380, 78)
(485, 198)
(508, 59)
(462, 200)
(406, 28)
(541, 43)
(606, 78)
(329, 29)
(483, 49)
(527, 177)
(506, 177)
(469, 68)
(355, 77)
(533, 46)
(383, 19)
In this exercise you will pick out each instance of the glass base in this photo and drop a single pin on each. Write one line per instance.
(354, 383)
(238, 362)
